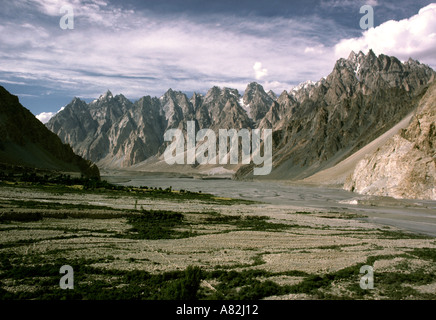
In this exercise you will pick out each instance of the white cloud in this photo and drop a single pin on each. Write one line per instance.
(44, 117)
(259, 72)
(139, 53)
(317, 50)
(413, 37)
(276, 86)
(12, 82)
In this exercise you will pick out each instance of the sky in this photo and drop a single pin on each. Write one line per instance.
(138, 48)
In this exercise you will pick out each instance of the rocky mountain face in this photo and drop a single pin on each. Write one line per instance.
(112, 130)
(315, 125)
(117, 133)
(25, 141)
(405, 166)
(220, 109)
(257, 101)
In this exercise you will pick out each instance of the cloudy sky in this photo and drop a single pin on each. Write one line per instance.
(144, 47)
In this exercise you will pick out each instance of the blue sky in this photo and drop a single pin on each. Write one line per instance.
(142, 48)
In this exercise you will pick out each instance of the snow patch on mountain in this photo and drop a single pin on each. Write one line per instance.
(246, 107)
(304, 85)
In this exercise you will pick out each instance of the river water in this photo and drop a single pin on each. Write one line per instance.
(413, 215)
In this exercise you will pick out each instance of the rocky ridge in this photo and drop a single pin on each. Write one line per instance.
(317, 125)
(405, 166)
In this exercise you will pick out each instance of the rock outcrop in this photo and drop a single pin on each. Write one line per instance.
(405, 166)
(258, 102)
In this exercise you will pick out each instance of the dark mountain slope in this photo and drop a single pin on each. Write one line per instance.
(25, 141)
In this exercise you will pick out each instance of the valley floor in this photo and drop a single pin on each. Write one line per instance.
(128, 245)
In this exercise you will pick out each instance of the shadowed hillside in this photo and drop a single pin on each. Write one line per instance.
(25, 141)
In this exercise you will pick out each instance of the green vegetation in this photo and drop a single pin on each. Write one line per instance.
(185, 287)
(424, 253)
(90, 282)
(31, 204)
(63, 183)
(388, 234)
(156, 225)
(254, 223)
(22, 216)
(43, 281)
(245, 285)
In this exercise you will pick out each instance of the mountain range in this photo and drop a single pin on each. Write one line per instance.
(316, 125)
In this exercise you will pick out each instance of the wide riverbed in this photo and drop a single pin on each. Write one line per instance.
(413, 215)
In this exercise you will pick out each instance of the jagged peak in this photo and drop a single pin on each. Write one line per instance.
(355, 56)
(213, 91)
(304, 85)
(106, 96)
(222, 91)
(145, 98)
(121, 96)
(169, 92)
(76, 101)
(233, 92)
(272, 94)
(355, 60)
(352, 55)
(411, 61)
(254, 84)
(172, 94)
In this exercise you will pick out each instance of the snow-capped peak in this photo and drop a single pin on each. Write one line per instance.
(304, 85)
